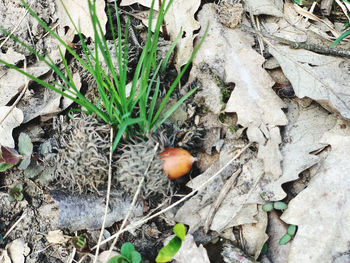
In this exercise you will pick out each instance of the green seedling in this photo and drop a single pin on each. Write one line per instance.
(128, 255)
(289, 235)
(81, 243)
(168, 252)
(9, 157)
(16, 193)
(132, 112)
(276, 205)
(280, 205)
(267, 207)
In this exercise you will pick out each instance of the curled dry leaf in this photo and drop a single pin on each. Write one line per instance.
(322, 210)
(322, 78)
(56, 237)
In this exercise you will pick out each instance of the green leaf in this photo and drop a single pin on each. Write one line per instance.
(15, 193)
(298, 2)
(118, 259)
(291, 230)
(180, 231)
(126, 250)
(136, 257)
(285, 239)
(10, 155)
(169, 251)
(25, 163)
(5, 166)
(267, 207)
(344, 35)
(280, 205)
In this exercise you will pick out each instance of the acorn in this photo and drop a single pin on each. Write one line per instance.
(176, 162)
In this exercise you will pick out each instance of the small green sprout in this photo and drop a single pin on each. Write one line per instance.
(168, 252)
(280, 205)
(81, 243)
(289, 235)
(128, 255)
(16, 193)
(267, 207)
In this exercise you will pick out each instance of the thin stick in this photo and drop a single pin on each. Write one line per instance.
(142, 221)
(14, 225)
(107, 197)
(133, 202)
(214, 208)
(15, 28)
(20, 95)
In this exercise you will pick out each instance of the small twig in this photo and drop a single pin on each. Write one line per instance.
(143, 221)
(15, 28)
(109, 183)
(301, 45)
(19, 96)
(14, 225)
(133, 201)
(214, 208)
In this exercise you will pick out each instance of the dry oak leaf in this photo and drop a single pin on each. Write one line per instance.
(179, 17)
(228, 54)
(301, 137)
(322, 210)
(80, 14)
(322, 78)
(13, 120)
(264, 7)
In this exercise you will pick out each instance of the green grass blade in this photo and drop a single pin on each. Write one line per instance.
(344, 35)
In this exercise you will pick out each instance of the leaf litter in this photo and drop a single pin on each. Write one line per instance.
(288, 135)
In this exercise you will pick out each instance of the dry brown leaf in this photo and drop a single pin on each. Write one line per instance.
(180, 16)
(57, 237)
(17, 250)
(301, 137)
(322, 210)
(264, 7)
(80, 14)
(190, 253)
(322, 78)
(254, 234)
(13, 120)
(12, 82)
(227, 54)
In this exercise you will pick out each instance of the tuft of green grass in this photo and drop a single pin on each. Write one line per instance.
(133, 113)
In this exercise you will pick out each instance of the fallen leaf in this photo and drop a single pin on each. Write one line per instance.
(13, 120)
(12, 82)
(17, 250)
(227, 55)
(264, 7)
(180, 16)
(57, 237)
(301, 137)
(190, 253)
(322, 210)
(254, 234)
(322, 78)
(80, 14)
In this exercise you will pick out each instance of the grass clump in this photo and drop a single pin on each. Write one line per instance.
(132, 112)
